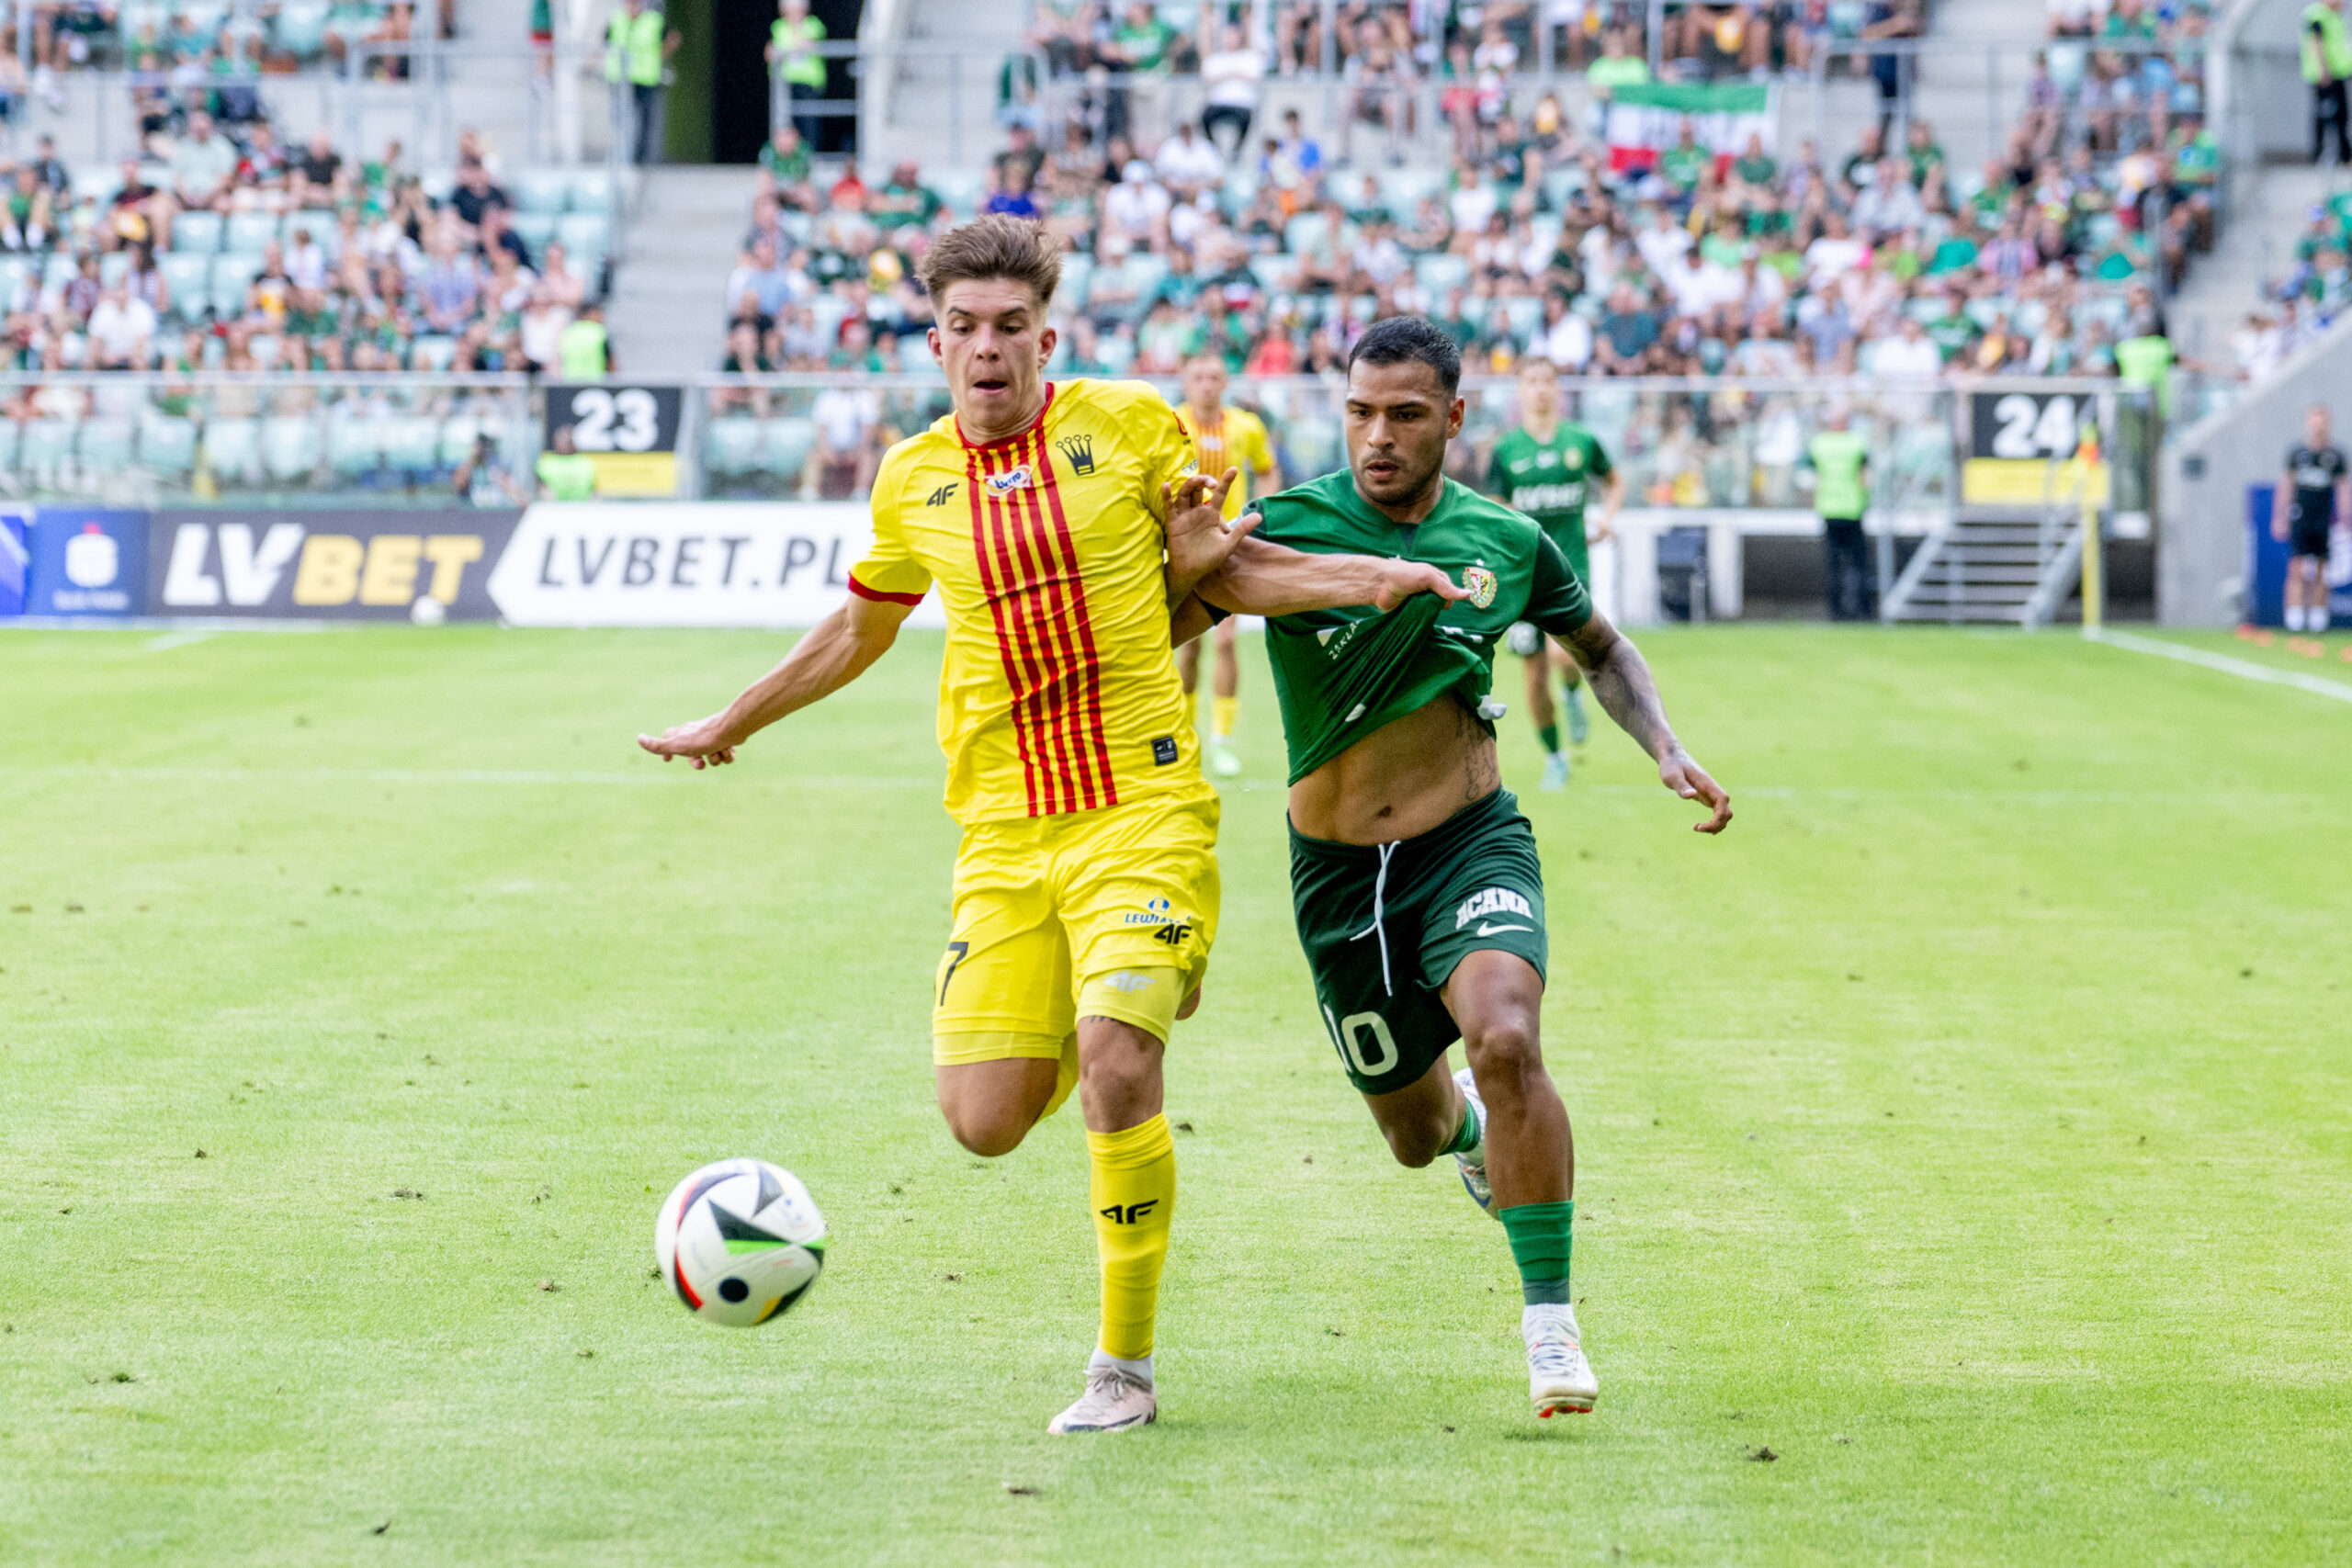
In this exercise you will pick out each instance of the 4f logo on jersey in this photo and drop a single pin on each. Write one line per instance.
(1492, 901)
(1128, 1213)
(1482, 585)
(1079, 450)
(940, 496)
(1004, 484)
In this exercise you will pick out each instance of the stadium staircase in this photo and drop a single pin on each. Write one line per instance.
(1992, 565)
(664, 313)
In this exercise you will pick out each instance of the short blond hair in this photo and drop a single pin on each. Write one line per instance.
(995, 247)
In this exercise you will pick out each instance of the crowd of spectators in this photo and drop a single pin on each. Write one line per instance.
(220, 248)
(2311, 295)
(1880, 258)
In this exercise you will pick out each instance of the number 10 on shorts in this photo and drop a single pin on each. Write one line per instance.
(1349, 1034)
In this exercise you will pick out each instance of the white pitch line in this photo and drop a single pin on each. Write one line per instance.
(170, 640)
(2244, 669)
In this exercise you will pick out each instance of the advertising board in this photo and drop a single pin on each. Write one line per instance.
(273, 564)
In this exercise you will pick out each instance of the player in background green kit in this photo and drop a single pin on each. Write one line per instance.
(1414, 878)
(1547, 469)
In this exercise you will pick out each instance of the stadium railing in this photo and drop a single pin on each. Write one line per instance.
(257, 440)
(1717, 444)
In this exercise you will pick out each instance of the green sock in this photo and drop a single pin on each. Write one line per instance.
(1551, 733)
(1466, 1137)
(1539, 1244)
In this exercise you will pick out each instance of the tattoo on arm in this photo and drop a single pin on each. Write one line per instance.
(1622, 685)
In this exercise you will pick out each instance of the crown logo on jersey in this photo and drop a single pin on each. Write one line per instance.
(1481, 584)
(1004, 484)
(1079, 450)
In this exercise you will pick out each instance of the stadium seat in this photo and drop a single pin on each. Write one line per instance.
(355, 444)
(1117, 353)
(732, 445)
(542, 190)
(914, 354)
(413, 444)
(232, 450)
(197, 232)
(825, 312)
(961, 189)
(250, 230)
(432, 351)
(166, 442)
(787, 445)
(1275, 273)
(267, 347)
(1304, 233)
(7, 445)
(104, 446)
(299, 29)
(96, 186)
(798, 227)
(289, 446)
(188, 279)
(1524, 312)
(1077, 272)
(1402, 189)
(456, 439)
(58, 269)
(583, 232)
(533, 229)
(320, 222)
(1560, 185)
(591, 191)
(113, 267)
(42, 450)
(437, 185)
(1439, 272)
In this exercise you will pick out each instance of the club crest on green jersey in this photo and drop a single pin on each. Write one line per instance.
(1482, 584)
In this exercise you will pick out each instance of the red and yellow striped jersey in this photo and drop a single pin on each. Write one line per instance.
(1238, 440)
(1059, 689)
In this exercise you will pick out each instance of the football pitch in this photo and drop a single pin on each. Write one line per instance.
(1964, 1172)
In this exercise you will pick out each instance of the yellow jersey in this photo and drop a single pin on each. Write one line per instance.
(1059, 689)
(1238, 440)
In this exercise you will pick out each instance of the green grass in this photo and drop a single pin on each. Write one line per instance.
(1966, 1127)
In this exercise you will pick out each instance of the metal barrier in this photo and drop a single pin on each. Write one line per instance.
(1712, 444)
(212, 437)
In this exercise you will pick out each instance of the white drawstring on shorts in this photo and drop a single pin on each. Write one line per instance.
(1379, 894)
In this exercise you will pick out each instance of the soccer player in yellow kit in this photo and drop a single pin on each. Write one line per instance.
(1058, 524)
(1222, 438)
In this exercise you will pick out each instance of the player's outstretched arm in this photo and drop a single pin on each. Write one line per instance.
(1622, 681)
(1261, 578)
(837, 651)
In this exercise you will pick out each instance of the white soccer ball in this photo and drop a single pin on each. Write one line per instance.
(428, 612)
(739, 1241)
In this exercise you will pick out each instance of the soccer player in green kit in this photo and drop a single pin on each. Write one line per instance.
(1418, 896)
(1547, 469)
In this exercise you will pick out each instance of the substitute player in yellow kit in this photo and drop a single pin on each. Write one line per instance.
(1058, 525)
(1222, 438)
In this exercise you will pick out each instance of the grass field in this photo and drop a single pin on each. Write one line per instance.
(1966, 1129)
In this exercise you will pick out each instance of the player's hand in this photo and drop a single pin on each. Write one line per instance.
(1199, 542)
(1686, 778)
(704, 743)
(1400, 580)
(2279, 530)
(1600, 533)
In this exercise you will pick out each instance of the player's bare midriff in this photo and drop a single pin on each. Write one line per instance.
(1401, 781)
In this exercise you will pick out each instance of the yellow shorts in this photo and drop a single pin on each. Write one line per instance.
(1119, 905)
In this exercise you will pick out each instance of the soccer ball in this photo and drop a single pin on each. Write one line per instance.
(739, 1241)
(428, 612)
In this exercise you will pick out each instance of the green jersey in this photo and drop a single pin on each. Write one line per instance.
(1837, 458)
(1551, 480)
(1341, 674)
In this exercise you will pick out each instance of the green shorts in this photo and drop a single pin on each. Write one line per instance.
(1384, 926)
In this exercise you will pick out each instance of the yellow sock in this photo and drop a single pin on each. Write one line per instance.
(1222, 714)
(1133, 1192)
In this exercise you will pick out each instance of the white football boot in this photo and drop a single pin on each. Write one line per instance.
(1474, 1167)
(1558, 1377)
(1115, 1400)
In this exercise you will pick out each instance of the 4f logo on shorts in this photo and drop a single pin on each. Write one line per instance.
(1481, 584)
(1130, 981)
(1128, 1213)
(1174, 934)
(1494, 901)
(1004, 484)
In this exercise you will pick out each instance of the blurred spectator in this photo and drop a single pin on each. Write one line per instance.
(796, 65)
(1231, 77)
